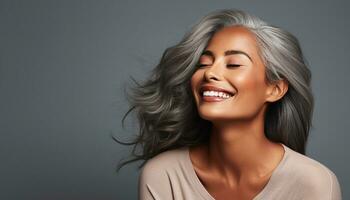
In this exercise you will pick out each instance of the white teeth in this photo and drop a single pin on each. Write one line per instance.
(216, 94)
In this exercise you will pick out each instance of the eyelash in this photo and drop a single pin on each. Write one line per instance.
(230, 65)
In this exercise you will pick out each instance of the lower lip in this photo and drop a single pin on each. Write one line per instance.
(214, 99)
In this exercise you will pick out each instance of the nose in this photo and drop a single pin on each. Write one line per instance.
(213, 72)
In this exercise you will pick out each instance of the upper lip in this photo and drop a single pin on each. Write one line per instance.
(214, 88)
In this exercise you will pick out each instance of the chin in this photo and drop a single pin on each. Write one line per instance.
(214, 115)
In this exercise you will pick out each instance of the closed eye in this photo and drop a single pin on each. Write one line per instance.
(201, 65)
(233, 65)
(229, 65)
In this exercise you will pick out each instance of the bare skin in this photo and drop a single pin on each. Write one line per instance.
(239, 159)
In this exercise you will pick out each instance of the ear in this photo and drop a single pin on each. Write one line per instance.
(277, 90)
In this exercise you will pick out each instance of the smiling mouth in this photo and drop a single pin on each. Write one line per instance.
(215, 95)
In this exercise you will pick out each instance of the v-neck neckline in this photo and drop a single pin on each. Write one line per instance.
(207, 196)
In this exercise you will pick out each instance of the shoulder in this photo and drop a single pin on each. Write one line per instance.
(316, 180)
(156, 174)
(162, 162)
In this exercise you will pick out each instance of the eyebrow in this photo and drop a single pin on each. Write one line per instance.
(228, 52)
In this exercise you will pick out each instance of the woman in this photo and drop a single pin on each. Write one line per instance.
(226, 115)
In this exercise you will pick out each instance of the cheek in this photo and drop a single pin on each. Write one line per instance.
(250, 83)
(195, 80)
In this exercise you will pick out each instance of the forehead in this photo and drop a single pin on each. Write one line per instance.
(233, 37)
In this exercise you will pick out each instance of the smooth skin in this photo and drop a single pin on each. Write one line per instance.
(238, 161)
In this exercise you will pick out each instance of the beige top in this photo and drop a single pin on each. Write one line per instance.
(171, 176)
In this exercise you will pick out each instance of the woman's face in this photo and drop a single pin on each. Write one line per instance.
(230, 62)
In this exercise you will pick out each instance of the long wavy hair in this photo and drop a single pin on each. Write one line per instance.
(165, 105)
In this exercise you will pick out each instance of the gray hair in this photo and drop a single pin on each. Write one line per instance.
(166, 107)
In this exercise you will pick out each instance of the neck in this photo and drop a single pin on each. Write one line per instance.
(240, 149)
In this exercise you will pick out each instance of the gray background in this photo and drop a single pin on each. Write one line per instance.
(63, 66)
